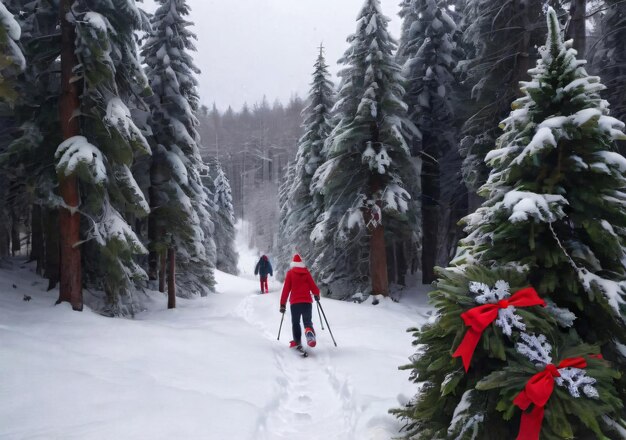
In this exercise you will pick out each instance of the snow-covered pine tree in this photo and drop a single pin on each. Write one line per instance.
(28, 158)
(180, 203)
(104, 152)
(429, 54)
(554, 220)
(224, 219)
(609, 58)
(368, 180)
(554, 196)
(285, 229)
(500, 41)
(302, 205)
(12, 60)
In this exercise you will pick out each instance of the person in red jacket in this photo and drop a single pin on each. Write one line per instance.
(298, 287)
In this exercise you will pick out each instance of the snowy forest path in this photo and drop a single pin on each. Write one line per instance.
(311, 399)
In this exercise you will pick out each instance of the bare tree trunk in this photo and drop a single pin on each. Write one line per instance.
(171, 278)
(37, 252)
(4, 242)
(69, 221)
(162, 271)
(577, 28)
(52, 252)
(16, 245)
(378, 261)
(378, 249)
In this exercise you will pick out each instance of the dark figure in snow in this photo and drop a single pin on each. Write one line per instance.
(298, 287)
(263, 269)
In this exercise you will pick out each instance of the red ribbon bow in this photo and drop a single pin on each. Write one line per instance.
(479, 318)
(538, 391)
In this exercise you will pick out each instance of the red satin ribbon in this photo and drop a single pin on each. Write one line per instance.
(479, 318)
(538, 391)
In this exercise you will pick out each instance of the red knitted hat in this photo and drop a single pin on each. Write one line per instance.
(297, 259)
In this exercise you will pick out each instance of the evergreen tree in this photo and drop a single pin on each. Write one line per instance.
(224, 220)
(499, 40)
(610, 56)
(285, 229)
(12, 60)
(429, 54)
(181, 205)
(368, 179)
(108, 142)
(28, 161)
(302, 205)
(553, 219)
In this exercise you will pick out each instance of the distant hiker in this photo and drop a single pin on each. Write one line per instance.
(264, 268)
(298, 287)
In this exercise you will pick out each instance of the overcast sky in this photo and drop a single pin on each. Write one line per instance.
(248, 48)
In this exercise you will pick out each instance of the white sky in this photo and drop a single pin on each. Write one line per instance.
(248, 48)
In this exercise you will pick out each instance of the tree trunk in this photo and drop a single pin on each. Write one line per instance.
(16, 244)
(577, 28)
(37, 252)
(171, 278)
(69, 221)
(51, 248)
(430, 217)
(162, 269)
(4, 241)
(378, 261)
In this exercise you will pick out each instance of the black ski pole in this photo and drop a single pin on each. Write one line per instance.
(281, 326)
(327, 325)
(319, 314)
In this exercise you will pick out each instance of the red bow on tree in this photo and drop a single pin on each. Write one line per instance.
(538, 391)
(479, 318)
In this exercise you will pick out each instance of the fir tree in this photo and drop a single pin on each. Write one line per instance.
(368, 179)
(553, 219)
(429, 54)
(103, 154)
(12, 61)
(181, 204)
(224, 219)
(500, 42)
(302, 205)
(610, 56)
(285, 228)
(28, 161)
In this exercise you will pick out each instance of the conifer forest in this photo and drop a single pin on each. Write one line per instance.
(448, 196)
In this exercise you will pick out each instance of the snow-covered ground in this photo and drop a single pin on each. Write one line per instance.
(210, 369)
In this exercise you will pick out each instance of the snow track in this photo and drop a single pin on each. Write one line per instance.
(211, 369)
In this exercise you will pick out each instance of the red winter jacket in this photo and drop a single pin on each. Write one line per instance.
(299, 283)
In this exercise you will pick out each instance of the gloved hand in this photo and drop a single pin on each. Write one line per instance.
(317, 298)
(282, 308)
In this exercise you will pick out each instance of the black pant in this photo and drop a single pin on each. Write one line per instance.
(300, 309)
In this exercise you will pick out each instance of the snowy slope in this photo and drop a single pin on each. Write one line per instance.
(211, 369)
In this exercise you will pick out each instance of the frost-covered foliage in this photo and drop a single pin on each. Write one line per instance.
(609, 58)
(12, 60)
(113, 82)
(223, 218)
(367, 157)
(181, 204)
(501, 40)
(564, 203)
(30, 131)
(300, 206)
(556, 181)
(555, 197)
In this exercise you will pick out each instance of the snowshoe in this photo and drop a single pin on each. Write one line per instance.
(310, 337)
(302, 351)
